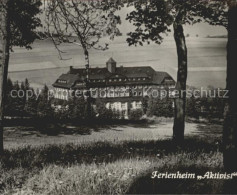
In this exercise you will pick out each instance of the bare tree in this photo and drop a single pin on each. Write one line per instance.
(81, 22)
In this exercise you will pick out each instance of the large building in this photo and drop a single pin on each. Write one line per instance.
(121, 88)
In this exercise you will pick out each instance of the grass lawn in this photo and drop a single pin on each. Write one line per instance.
(22, 136)
(115, 166)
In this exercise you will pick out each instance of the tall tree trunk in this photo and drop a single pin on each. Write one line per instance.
(230, 124)
(86, 54)
(88, 100)
(180, 101)
(5, 40)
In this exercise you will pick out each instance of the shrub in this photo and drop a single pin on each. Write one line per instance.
(160, 107)
(135, 114)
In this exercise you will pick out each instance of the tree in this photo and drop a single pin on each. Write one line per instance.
(102, 112)
(45, 109)
(31, 102)
(5, 40)
(230, 124)
(84, 21)
(155, 18)
(18, 28)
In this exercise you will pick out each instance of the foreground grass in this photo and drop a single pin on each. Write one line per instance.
(108, 168)
(122, 176)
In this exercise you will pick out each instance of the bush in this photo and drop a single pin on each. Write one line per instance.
(135, 114)
(160, 107)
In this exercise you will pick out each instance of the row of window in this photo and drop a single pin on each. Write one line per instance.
(117, 106)
(135, 93)
(117, 80)
(123, 106)
(62, 81)
(127, 79)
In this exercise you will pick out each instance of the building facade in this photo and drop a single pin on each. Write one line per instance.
(120, 88)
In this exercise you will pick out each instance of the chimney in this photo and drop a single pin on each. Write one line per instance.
(111, 65)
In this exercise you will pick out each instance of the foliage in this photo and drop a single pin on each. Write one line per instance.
(24, 21)
(103, 112)
(135, 114)
(16, 99)
(153, 19)
(193, 107)
(209, 106)
(84, 21)
(145, 105)
(44, 109)
(160, 107)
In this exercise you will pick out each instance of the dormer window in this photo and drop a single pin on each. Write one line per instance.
(62, 81)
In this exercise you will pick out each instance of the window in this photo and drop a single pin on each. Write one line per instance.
(144, 79)
(120, 79)
(110, 80)
(134, 79)
(134, 93)
(123, 105)
(138, 105)
(139, 93)
(134, 87)
(139, 79)
(62, 81)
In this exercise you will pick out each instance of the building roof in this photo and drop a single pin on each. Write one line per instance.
(102, 77)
